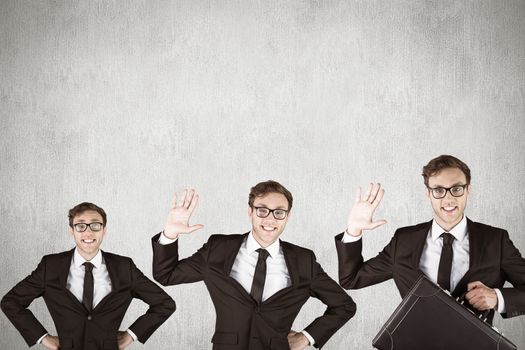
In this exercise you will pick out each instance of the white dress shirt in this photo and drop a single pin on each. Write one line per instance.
(429, 262)
(101, 281)
(243, 269)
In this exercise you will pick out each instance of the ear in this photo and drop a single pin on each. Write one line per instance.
(104, 231)
(427, 192)
(469, 188)
(71, 231)
(250, 211)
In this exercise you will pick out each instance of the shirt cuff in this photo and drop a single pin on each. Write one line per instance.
(41, 338)
(501, 302)
(165, 240)
(132, 334)
(309, 337)
(348, 238)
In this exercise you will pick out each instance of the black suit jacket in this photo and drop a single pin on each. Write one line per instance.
(76, 328)
(493, 260)
(241, 323)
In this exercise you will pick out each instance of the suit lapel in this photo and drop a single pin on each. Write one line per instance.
(231, 250)
(475, 249)
(107, 259)
(419, 238)
(292, 264)
(64, 266)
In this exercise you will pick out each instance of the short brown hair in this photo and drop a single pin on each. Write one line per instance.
(442, 162)
(266, 187)
(85, 206)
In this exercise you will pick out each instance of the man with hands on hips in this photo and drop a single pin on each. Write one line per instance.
(460, 255)
(257, 282)
(87, 292)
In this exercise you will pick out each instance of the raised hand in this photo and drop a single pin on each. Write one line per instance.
(179, 215)
(361, 215)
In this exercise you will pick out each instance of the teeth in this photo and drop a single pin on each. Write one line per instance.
(449, 208)
(268, 228)
(88, 240)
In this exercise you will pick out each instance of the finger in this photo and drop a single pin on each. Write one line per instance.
(187, 201)
(358, 195)
(375, 190)
(474, 284)
(368, 191)
(182, 198)
(194, 228)
(376, 224)
(380, 195)
(193, 203)
(174, 201)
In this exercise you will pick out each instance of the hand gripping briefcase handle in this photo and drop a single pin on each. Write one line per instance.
(429, 318)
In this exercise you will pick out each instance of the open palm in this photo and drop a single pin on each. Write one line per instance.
(361, 215)
(179, 215)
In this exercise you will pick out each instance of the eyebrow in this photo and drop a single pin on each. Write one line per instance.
(267, 207)
(454, 185)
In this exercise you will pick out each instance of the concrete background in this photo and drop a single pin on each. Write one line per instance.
(125, 102)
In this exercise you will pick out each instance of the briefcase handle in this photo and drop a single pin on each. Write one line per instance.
(482, 316)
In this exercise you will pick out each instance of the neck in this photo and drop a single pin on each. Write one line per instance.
(88, 257)
(445, 226)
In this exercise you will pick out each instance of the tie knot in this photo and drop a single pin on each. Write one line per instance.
(447, 238)
(88, 266)
(263, 254)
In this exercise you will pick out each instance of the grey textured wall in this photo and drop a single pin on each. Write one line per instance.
(124, 102)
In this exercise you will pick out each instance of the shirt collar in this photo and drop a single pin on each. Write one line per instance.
(252, 245)
(78, 259)
(459, 231)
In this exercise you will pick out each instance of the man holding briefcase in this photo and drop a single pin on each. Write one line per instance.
(460, 255)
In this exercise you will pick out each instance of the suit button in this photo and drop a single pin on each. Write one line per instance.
(89, 318)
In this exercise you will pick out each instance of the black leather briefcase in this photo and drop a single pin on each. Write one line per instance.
(429, 318)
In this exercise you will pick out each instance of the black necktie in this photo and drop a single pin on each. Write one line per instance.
(259, 276)
(87, 294)
(445, 262)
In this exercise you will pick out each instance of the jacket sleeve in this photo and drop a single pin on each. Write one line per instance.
(513, 268)
(354, 272)
(169, 270)
(340, 306)
(161, 305)
(15, 304)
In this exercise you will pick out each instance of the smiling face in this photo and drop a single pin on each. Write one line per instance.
(88, 242)
(449, 210)
(267, 230)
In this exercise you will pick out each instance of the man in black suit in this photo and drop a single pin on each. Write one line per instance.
(257, 282)
(87, 292)
(451, 250)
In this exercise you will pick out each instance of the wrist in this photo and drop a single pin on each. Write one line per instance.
(354, 232)
(170, 235)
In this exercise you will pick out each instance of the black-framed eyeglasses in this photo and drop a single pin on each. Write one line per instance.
(94, 226)
(441, 192)
(279, 214)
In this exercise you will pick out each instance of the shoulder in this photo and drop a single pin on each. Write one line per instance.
(58, 257)
(478, 229)
(483, 227)
(113, 258)
(298, 250)
(225, 238)
(417, 229)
